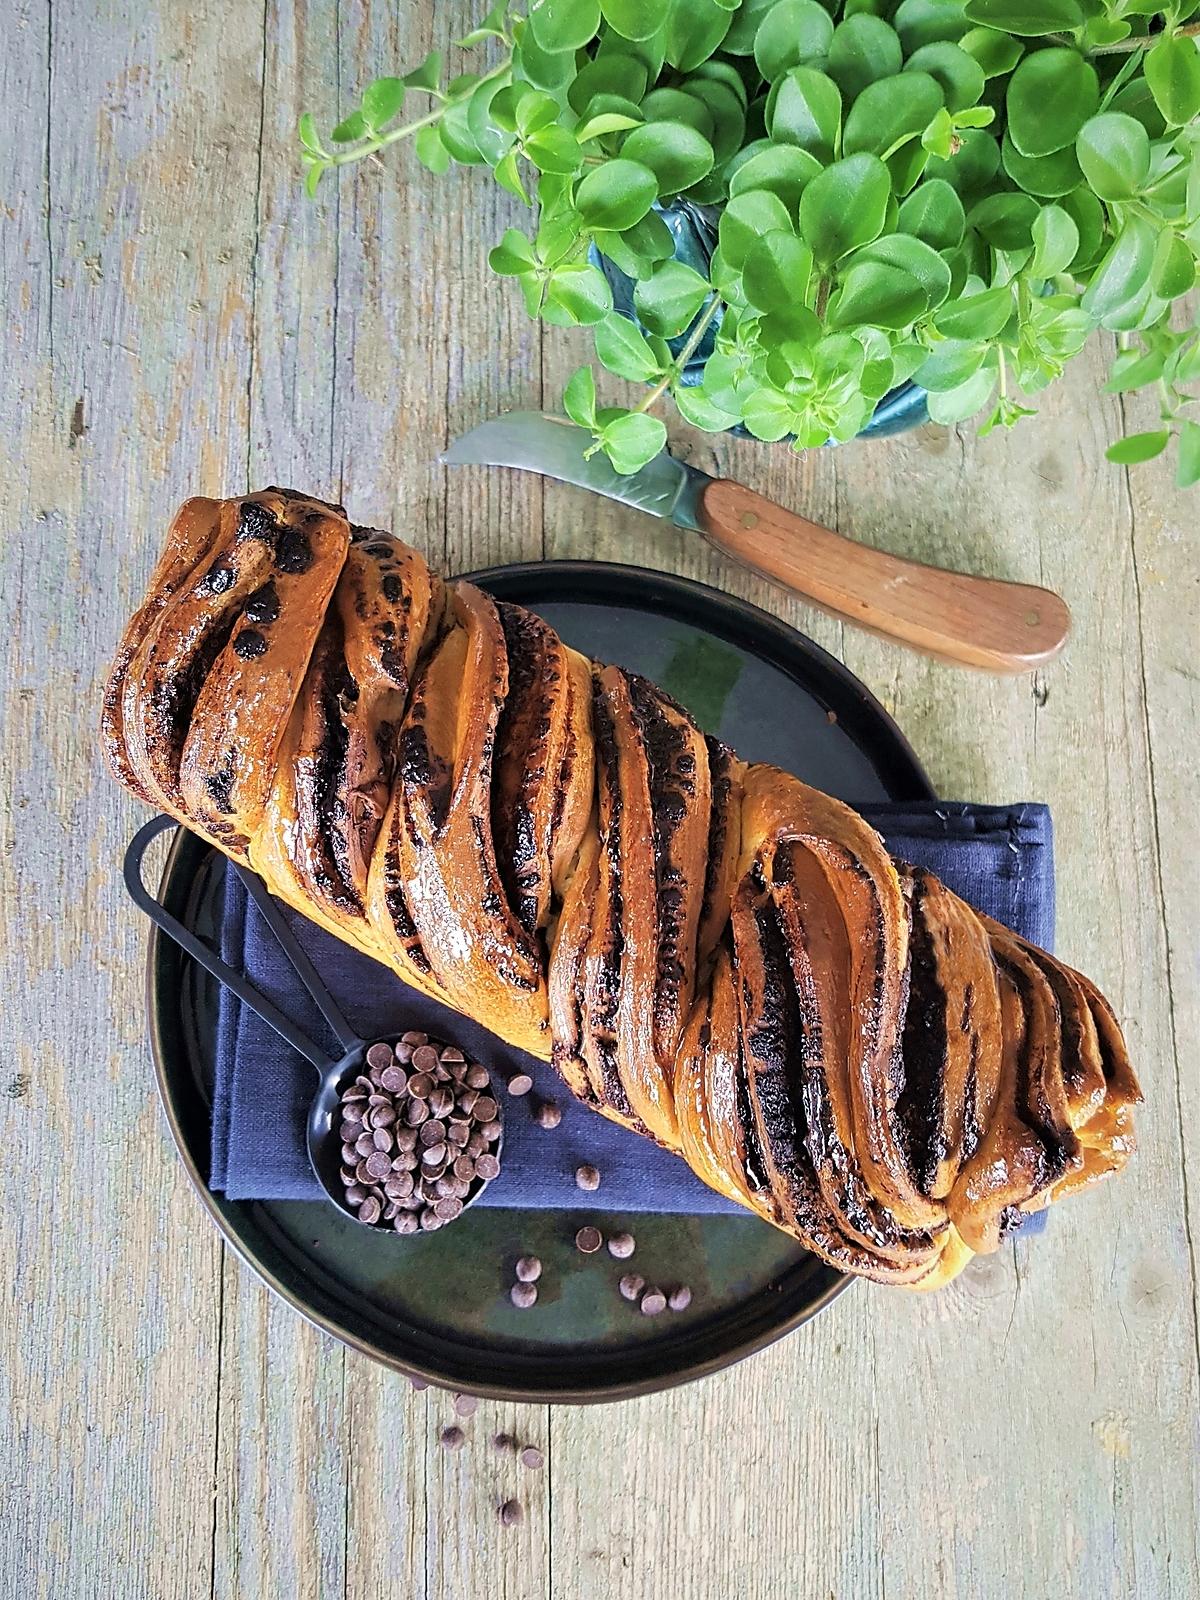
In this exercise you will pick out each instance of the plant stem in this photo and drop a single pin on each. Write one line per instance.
(681, 360)
(378, 141)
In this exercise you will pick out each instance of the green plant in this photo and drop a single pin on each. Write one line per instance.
(956, 192)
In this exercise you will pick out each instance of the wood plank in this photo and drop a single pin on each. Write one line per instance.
(127, 329)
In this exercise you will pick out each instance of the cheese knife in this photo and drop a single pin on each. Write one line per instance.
(975, 622)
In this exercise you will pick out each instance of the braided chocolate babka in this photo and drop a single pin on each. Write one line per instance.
(713, 954)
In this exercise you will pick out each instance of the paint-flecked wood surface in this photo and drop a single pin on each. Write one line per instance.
(178, 319)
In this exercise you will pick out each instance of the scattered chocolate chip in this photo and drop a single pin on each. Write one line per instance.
(510, 1513)
(418, 1384)
(631, 1285)
(464, 1167)
(379, 1055)
(653, 1301)
(458, 1132)
(523, 1295)
(532, 1457)
(587, 1177)
(384, 1117)
(548, 1114)
(622, 1245)
(452, 1438)
(465, 1405)
(528, 1269)
(467, 1101)
(679, 1299)
(362, 1173)
(503, 1442)
(520, 1083)
(588, 1241)
(349, 1132)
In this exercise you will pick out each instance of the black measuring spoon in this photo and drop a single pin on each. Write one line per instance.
(336, 1074)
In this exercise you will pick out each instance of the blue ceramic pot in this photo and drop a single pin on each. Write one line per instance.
(694, 229)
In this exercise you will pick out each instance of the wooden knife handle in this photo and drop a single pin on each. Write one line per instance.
(974, 622)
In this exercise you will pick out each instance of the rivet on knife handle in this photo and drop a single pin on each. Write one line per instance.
(975, 622)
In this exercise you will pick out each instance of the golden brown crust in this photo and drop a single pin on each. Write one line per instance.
(714, 955)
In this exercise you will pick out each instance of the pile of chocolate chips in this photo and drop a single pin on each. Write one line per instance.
(419, 1135)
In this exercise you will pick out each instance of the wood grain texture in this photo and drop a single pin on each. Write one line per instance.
(180, 319)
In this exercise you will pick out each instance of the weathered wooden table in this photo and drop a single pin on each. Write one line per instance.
(179, 318)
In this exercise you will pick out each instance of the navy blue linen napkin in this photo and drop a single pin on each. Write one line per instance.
(999, 858)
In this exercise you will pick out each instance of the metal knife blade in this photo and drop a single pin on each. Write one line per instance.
(539, 442)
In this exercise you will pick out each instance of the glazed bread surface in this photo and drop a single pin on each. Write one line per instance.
(713, 954)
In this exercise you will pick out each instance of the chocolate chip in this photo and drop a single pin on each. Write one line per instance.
(476, 1144)
(419, 1383)
(384, 1117)
(450, 1054)
(523, 1295)
(383, 1140)
(680, 1299)
(631, 1285)
(369, 1211)
(364, 1144)
(510, 1513)
(441, 1102)
(405, 1222)
(478, 1077)
(464, 1167)
(250, 644)
(379, 1055)
(490, 1131)
(487, 1167)
(414, 1038)
(262, 608)
(424, 1059)
(532, 1457)
(378, 1164)
(394, 1079)
(588, 1241)
(485, 1109)
(468, 1099)
(587, 1177)
(465, 1405)
(548, 1114)
(420, 1085)
(653, 1301)
(293, 551)
(622, 1245)
(503, 1442)
(520, 1083)
(434, 1155)
(528, 1269)
(458, 1132)
(406, 1138)
(415, 1112)
(362, 1172)
(452, 1438)
(432, 1132)
(399, 1185)
(430, 1219)
(349, 1132)
(404, 1054)
(350, 1155)
(406, 1161)
(355, 1194)
(448, 1207)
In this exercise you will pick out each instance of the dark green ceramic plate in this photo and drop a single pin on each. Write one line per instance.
(438, 1305)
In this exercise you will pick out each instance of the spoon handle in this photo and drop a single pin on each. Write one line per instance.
(199, 951)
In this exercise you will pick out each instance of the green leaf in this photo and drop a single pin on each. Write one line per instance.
(579, 397)
(535, 110)
(1114, 152)
(745, 220)
(1030, 19)
(956, 405)
(950, 364)
(576, 295)
(1174, 270)
(976, 316)
(430, 151)
(1088, 215)
(877, 295)
(922, 22)
(428, 75)
(552, 70)
(309, 136)
(1173, 72)
(1005, 220)
(677, 155)
(631, 440)
(605, 122)
(624, 350)
(887, 112)
(1048, 177)
(1188, 471)
(693, 30)
(864, 49)
(513, 255)
(313, 177)
(972, 166)
(668, 300)
(807, 111)
(767, 414)
(492, 27)
(696, 407)
(997, 53)
(933, 212)
(1050, 97)
(743, 30)
(560, 25)
(776, 275)
(381, 101)
(1055, 242)
(1123, 274)
(555, 150)
(727, 113)
(349, 129)
(919, 260)
(959, 75)
(845, 207)
(455, 129)
(507, 172)
(792, 33)
(675, 105)
(1138, 447)
(1133, 369)
(622, 75)
(633, 19)
(616, 195)
(784, 169)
